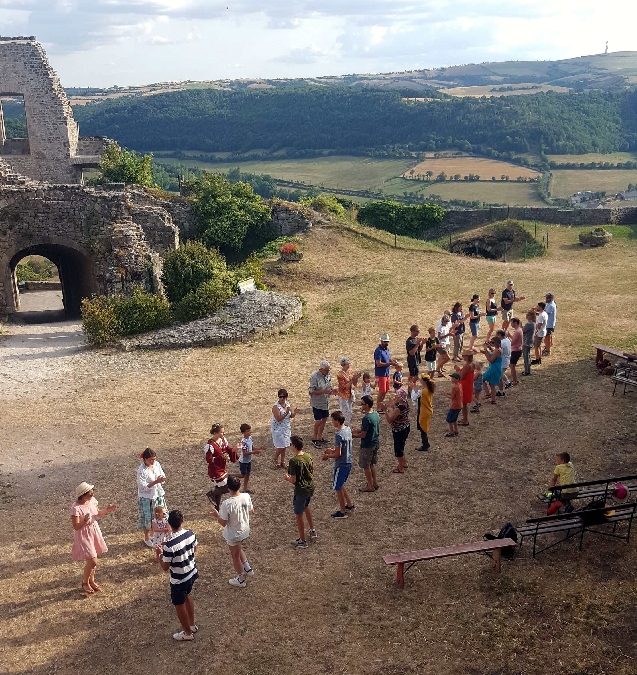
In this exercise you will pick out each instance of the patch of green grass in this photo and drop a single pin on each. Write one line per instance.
(565, 182)
(622, 231)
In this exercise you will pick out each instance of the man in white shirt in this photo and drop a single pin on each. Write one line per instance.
(442, 332)
(505, 346)
(551, 313)
(540, 332)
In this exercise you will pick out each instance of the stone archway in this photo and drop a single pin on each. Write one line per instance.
(74, 268)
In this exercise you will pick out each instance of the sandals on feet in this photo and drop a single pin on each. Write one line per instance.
(86, 588)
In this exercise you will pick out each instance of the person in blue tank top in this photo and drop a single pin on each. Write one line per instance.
(492, 375)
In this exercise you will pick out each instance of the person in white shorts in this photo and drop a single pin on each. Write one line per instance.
(234, 516)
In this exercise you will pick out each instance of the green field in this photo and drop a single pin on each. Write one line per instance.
(565, 183)
(611, 157)
(350, 173)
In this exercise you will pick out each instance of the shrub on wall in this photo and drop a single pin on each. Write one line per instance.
(189, 266)
(208, 298)
(411, 221)
(106, 319)
(325, 204)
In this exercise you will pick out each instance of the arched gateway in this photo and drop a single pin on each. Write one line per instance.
(103, 240)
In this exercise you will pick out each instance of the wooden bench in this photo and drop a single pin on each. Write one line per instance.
(626, 375)
(572, 525)
(603, 349)
(592, 489)
(411, 558)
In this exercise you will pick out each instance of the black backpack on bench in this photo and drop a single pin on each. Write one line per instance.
(507, 531)
(591, 517)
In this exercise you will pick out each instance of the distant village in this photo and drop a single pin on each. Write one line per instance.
(587, 199)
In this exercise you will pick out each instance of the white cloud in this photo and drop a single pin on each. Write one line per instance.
(279, 38)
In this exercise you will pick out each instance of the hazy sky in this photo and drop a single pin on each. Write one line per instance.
(106, 42)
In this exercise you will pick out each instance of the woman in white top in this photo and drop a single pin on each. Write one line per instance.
(281, 426)
(150, 491)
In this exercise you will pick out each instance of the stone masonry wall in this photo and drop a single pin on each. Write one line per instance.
(458, 221)
(103, 242)
(54, 152)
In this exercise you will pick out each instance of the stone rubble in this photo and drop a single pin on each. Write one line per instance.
(241, 319)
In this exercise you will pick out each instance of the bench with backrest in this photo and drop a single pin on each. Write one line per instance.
(626, 375)
(412, 557)
(573, 524)
(603, 349)
(592, 489)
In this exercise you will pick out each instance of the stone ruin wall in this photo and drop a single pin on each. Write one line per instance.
(102, 241)
(458, 221)
(54, 151)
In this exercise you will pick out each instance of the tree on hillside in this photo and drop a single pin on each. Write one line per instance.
(429, 174)
(119, 165)
(226, 212)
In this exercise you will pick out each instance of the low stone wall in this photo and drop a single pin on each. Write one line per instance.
(241, 319)
(40, 286)
(457, 221)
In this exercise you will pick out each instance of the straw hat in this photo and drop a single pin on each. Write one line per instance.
(82, 489)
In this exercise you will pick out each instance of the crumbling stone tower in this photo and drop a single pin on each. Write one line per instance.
(53, 151)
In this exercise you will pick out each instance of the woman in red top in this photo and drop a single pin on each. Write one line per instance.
(466, 382)
(218, 452)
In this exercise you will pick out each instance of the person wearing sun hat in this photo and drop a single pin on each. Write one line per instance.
(382, 363)
(88, 541)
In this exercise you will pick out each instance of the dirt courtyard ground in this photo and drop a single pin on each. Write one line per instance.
(69, 413)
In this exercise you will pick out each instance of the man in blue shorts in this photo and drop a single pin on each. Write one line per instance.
(341, 453)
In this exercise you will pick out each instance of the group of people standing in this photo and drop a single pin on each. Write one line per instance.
(175, 547)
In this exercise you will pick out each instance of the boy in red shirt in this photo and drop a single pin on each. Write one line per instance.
(218, 452)
(456, 406)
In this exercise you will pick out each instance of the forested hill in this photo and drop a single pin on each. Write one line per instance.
(342, 119)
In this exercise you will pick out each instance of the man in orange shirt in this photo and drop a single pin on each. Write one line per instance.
(347, 382)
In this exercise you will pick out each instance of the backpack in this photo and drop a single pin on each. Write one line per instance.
(596, 517)
(507, 531)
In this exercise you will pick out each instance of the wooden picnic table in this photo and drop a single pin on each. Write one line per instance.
(603, 349)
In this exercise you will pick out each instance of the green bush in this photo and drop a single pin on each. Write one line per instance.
(271, 249)
(105, 319)
(99, 322)
(325, 204)
(141, 312)
(189, 266)
(393, 217)
(252, 267)
(206, 299)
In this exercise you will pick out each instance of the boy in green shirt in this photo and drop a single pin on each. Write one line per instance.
(301, 475)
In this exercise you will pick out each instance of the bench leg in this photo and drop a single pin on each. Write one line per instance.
(599, 359)
(497, 554)
(400, 575)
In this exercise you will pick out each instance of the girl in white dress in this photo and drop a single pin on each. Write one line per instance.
(281, 427)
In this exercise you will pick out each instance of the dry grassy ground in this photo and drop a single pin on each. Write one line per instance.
(488, 90)
(333, 607)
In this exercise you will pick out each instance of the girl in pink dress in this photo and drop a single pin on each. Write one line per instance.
(88, 541)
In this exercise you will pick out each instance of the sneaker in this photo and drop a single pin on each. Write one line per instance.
(525, 374)
(536, 362)
(475, 410)
(317, 444)
(544, 352)
(194, 628)
(300, 543)
(313, 535)
(508, 385)
(238, 582)
(350, 508)
(248, 572)
(182, 636)
(148, 543)
(500, 393)
(339, 514)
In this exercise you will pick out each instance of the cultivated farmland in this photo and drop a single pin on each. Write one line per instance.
(564, 182)
(481, 166)
(492, 90)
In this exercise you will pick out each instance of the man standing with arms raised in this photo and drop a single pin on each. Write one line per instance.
(382, 363)
(320, 391)
(508, 298)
